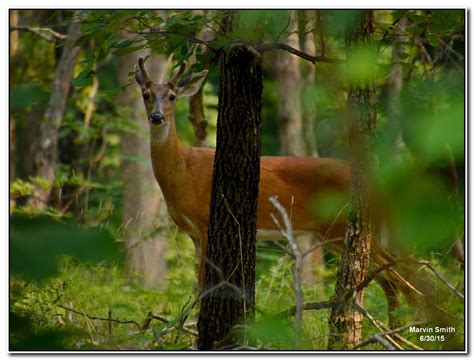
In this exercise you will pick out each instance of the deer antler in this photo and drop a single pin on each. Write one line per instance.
(175, 78)
(146, 77)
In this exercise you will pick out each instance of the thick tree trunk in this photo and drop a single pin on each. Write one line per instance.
(232, 225)
(345, 322)
(288, 77)
(46, 152)
(141, 194)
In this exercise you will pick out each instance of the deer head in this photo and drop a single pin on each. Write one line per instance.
(160, 99)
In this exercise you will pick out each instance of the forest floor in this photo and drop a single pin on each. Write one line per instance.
(100, 307)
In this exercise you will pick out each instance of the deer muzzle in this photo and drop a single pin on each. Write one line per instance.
(157, 118)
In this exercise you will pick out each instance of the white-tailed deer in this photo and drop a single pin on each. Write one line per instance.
(185, 176)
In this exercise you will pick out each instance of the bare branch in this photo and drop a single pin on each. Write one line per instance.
(151, 316)
(288, 235)
(301, 54)
(45, 33)
(441, 278)
(108, 319)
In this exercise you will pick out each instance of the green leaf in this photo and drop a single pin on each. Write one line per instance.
(84, 78)
(24, 96)
(432, 39)
(127, 50)
(37, 243)
(123, 44)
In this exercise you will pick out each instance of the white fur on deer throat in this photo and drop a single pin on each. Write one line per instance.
(159, 133)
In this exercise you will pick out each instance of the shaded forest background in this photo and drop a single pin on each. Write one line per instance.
(95, 261)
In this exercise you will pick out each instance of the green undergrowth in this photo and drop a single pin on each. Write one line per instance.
(70, 310)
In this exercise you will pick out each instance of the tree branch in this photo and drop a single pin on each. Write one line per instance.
(100, 318)
(288, 235)
(45, 33)
(441, 278)
(301, 54)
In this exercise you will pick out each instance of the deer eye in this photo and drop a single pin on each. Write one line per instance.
(172, 97)
(146, 96)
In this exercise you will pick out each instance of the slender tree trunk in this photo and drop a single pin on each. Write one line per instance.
(46, 152)
(197, 115)
(345, 324)
(288, 77)
(232, 225)
(308, 45)
(395, 83)
(306, 22)
(141, 195)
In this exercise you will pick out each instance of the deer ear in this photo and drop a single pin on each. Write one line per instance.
(139, 78)
(191, 84)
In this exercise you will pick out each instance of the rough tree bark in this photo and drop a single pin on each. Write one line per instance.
(232, 225)
(46, 141)
(345, 322)
(141, 194)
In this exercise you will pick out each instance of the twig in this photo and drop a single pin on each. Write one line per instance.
(45, 33)
(109, 319)
(288, 235)
(151, 316)
(375, 337)
(441, 278)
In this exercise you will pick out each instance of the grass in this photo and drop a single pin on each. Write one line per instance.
(39, 321)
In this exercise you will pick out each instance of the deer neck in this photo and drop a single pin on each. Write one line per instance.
(168, 156)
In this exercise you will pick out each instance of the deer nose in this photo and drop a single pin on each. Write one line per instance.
(157, 118)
